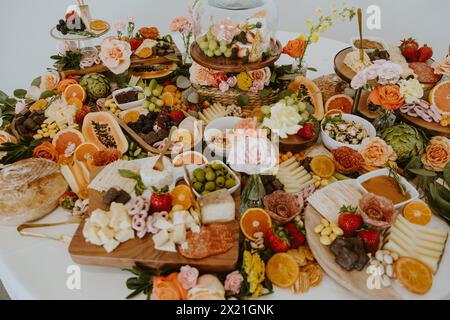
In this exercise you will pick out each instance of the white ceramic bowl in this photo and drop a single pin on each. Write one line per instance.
(220, 125)
(332, 144)
(385, 172)
(192, 168)
(129, 105)
(377, 39)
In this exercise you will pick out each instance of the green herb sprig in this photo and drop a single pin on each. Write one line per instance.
(140, 186)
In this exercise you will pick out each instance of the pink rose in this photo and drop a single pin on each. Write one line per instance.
(256, 87)
(224, 86)
(115, 55)
(188, 277)
(179, 24)
(233, 282)
(258, 75)
(232, 82)
(218, 77)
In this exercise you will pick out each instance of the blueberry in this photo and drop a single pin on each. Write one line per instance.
(259, 25)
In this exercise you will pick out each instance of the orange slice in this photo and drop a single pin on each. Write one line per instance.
(75, 102)
(168, 99)
(131, 116)
(417, 212)
(323, 167)
(75, 91)
(67, 141)
(85, 152)
(38, 105)
(340, 102)
(282, 270)
(182, 195)
(440, 97)
(255, 220)
(99, 25)
(171, 88)
(414, 275)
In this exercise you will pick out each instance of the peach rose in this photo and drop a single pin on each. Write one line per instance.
(388, 97)
(437, 154)
(188, 277)
(115, 55)
(50, 80)
(376, 152)
(168, 288)
(233, 282)
(199, 75)
(295, 48)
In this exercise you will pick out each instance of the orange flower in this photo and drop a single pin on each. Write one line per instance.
(168, 288)
(388, 97)
(437, 154)
(149, 33)
(295, 48)
(46, 151)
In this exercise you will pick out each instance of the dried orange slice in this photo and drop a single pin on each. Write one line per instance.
(414, 275)
(340, 102)
(168, 99)
(85, 152)
(282, 270)
(440, 97)
(99, 25)
(67, 141)
(417, 212)
(171, 88)
(182, 195)
(255, 220)
(323, 167)
(75, 102)
(75, 91)
(131, 116)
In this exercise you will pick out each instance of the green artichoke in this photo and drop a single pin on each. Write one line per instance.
(96, 85)
(406, 141)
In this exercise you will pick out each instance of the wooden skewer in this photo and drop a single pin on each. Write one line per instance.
(361, 50)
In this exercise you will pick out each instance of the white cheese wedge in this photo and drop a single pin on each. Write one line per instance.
(179, 217)
(111, 245)
(163, 224)
(100, 218)
(179, 234)
(106, 235)
(124, 235)
(217, 207)
(169, 246)
(161, 238)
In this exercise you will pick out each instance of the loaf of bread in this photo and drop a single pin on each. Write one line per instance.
(30, 190)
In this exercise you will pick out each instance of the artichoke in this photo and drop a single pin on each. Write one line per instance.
(96, 85)
(406, 141)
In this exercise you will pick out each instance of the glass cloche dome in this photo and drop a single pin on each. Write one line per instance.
(243, 29)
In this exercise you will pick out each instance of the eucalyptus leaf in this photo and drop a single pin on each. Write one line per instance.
(20, 93)
(36, 82)
(264, 93)
(285, 93)
(3, 97)
(11, 102)
(47, 94)
(447, 174)
(423, 172)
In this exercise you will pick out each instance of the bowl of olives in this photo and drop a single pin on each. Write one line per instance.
(211, 177)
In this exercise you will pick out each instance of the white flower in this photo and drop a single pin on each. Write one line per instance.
(359, 81)
(115, 55)
(371, 72)
(66, 46)
(283, 118)
(411, 89)
(389, 73)
(33, 93)
(50, 80)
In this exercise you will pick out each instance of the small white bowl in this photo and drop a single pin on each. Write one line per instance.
(220, 125)
(332, 144)
(129, 105)
(192, 168)
(377, 39)
(414, 194)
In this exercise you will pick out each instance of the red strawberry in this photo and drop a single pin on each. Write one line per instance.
(79, 117)
(371, 240)
(135, 43)
(176, 116)
(409, 48)
(88, 109)
(277, 240)
(307, 131)
(206, 104)
(425, 53)
(349, 221)
(296, 237)
(161, 200)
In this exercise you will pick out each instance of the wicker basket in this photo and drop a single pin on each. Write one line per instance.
(230, 97)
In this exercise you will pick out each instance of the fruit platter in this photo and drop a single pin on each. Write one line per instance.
(214, 172)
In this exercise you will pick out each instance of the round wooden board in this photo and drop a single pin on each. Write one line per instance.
(363, 107)
(295, 143)
(228, 64)
(432, 127)
(341, 69)
(354, 281)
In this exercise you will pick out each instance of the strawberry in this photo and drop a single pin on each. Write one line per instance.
(206, 104)
(176, 116)
(409, 48)
(161, 200)
(349, 221)
(296, 237)
(135, 43)
(307, 131)
(371, 240)
(68, 199)
(79, 117)
(425, 53)
(277, 240)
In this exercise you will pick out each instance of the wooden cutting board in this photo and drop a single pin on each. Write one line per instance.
(143, 251)
(354, 281)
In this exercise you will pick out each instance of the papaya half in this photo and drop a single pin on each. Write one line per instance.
(306, 86)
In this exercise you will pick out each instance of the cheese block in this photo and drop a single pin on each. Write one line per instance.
(217, 207)
(293, 176)
(30, 189)
(213, 112)
(420, 242)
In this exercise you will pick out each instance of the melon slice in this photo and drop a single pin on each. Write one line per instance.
(101, 129)
(340, 102)
(440, 97)
(300, 84)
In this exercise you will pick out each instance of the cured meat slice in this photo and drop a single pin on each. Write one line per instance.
(283, 207)
(378, 212)
(425, 73)
(212, 240)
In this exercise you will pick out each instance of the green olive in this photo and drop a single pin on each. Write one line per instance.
(200, 176)
(220, 182)
(210, 176)
(210, 186)
(230, 183)
(217, 166)
(198, 187)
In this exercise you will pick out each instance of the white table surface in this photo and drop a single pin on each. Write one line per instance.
(32, 268)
